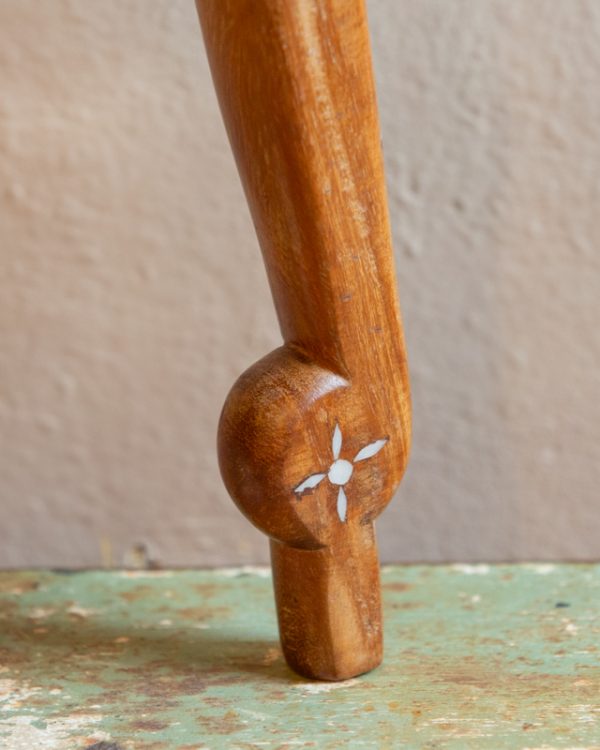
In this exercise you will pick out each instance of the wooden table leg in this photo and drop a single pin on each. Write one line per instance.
(314, 437)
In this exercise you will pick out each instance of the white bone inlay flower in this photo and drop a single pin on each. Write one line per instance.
(340, 471)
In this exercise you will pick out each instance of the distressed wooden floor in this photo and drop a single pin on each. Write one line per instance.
(476, 657)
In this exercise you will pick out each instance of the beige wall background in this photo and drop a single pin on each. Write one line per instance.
(133, 294)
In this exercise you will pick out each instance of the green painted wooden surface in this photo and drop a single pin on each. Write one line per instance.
(476, 657)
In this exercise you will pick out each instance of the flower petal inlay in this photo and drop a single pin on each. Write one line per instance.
(370, 450)
(336, 443)
(342, 504)
(309, 483)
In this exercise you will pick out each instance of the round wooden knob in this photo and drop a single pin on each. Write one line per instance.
(302, 454)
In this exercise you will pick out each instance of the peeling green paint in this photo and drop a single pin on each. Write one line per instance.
(486, 657)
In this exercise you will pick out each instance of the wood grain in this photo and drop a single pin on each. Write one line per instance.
(296, 90)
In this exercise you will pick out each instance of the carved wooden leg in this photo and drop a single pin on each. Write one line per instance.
(314, 438)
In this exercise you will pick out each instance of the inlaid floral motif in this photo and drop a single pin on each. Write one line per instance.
(340, 471)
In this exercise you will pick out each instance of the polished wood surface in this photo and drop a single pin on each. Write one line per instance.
(314, 438)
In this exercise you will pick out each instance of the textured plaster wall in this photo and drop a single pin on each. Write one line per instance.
(132, 291)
